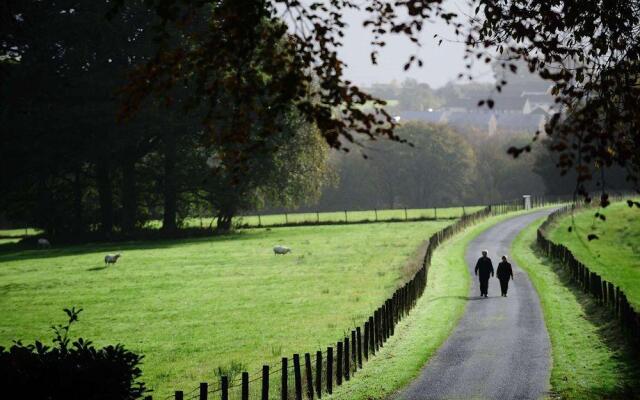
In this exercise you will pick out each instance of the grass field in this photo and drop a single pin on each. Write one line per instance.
(333, 217)
(17, 233)
(191, 306)
(590, 360)
(616, 254)
(420, 335)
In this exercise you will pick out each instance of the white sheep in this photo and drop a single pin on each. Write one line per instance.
(43, 243)
(111, 258)
(279, 249)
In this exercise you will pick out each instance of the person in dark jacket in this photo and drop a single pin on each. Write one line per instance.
(504, 273)
(484, 270)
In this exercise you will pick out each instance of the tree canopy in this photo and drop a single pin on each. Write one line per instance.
(588, 51)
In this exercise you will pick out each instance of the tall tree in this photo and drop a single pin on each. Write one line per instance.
(589, 51)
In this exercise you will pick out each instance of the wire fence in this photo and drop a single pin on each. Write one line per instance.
(257, 220)
(316, 374)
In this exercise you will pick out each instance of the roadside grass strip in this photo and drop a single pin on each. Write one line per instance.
(590, 359)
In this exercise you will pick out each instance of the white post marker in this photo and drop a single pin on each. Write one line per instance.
(527, 201)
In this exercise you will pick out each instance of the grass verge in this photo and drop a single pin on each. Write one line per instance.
(420, 334)
(590, 358)
(616, 254)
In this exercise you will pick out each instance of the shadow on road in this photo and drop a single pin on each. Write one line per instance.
(467, 298)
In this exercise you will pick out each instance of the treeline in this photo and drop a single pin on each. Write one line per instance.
(439, 167)
(442, 166)
(71, 167)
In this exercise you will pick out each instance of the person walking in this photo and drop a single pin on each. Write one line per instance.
(484, 270)
(504, 273)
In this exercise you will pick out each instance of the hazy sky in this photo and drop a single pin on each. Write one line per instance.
(441, 63)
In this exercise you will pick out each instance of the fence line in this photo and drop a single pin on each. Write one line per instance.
(308, 375)
(337, 217)
(606, 293)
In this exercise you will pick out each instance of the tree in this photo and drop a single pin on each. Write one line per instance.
(64, 148)
(292, 171)
(590, 52)
(437, 170)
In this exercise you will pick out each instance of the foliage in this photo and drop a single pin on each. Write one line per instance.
(90, 176)
(445, 167)
(589, 52)
(244, 50)
(291, 172)
(232, 371)
(76, 371)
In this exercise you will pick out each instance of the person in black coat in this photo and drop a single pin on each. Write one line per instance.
(504, 273)
(484, 270)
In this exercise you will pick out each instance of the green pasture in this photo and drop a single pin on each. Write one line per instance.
(333, 217)
(616, 254)
(17, 233)
(191, 306)
(589, 355)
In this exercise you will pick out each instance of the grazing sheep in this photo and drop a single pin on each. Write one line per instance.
(281, 250)
(43, 243)
(111, 258)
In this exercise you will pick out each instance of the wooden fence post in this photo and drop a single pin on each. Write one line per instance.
(265, 382)
(286, 218)
(225, 387)
(346, 359)
(339, 364)
(297, 376)
(330, 370)
(372, 335)
(405, 214)
(309, 374)
(376, 213)
(245, 386)
(366, 341)
(345, 216)
(204, 391)
(354, 351)
(319, 374)
(359, 335)
(612, 296)
(284, 384)
(383, 322)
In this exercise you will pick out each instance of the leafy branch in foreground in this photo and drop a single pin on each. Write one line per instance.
(76, 371)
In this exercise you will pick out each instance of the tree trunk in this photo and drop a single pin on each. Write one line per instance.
(170, 189)
(78, 212)
(224, 221)
(105, 195)
(129, 201)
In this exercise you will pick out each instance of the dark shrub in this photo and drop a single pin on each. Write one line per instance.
(69, 372)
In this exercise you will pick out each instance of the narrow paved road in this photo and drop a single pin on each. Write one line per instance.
(500, 349)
